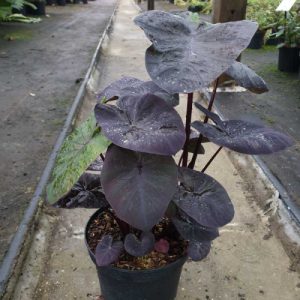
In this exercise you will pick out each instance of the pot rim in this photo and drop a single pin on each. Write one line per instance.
(180, 260)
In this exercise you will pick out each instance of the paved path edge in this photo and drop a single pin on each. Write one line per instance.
(14, 257)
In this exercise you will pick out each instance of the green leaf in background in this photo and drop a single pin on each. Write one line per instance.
(78, 151)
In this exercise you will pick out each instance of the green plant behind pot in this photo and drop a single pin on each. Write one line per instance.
(264, 13)
(289, 31)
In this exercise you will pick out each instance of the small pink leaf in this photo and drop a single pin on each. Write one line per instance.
(162, 246)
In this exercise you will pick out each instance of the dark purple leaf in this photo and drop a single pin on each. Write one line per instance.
(143, 123)
(130, 86)
(107, 251)
(162, 246)
(242, 136)
(214, 117)
(138, 186)
(204, 199)
(139, 247)
(86, 193)
(183, 57)
(247, 78)
(192, 231)
(198, 250)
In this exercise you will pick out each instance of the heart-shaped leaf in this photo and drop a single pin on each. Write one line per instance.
(86, 193)
(247, 78)
(198, 250)
(139, 247)
(78, 151)
(204, 199)
(184, 58)
(138, 186)
(130, 86)
(242, 136)
(142, 123)
(107, 251)
(192, 231)
(162, 246)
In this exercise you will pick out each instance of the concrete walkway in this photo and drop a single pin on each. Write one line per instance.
(248, 261)
(42, 66)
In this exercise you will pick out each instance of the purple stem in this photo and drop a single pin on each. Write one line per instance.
(187, 129)
(211, 160)
(102, 157)
(199, 140)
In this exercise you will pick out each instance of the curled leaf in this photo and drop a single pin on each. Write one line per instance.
(139, 247)
(107, 251)
(247, 78)
(198, 250)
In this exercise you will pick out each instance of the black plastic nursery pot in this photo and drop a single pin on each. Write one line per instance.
(22, 11)
(288, 59)
(195, 8)
(61, 2)
(257, 40)
(40, 9)
(121, 284)
(50, 2)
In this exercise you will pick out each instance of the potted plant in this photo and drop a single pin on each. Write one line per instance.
(289, 31)
(197, 5)
(155, 213)
(263, 12)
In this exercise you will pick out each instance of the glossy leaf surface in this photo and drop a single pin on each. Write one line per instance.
(142, 123)
(204, 199)
(138, 186)
(242, 136)
(86, 193)
(107, 251)
(192, 231)
(139, 247)
(78, 151)
(198, 250)
(130, 86)
(184, 58)
(247, 78)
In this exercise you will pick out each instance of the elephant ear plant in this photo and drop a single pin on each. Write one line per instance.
(137, 131)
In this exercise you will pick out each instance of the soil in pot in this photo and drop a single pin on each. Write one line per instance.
(288, 59)
(258, 40)
(105, 223)
(153, 276)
